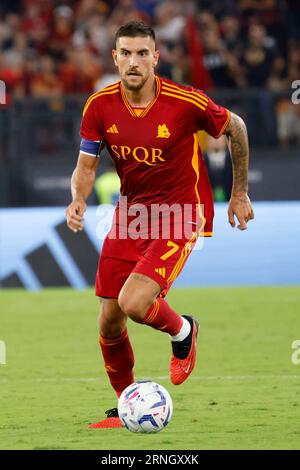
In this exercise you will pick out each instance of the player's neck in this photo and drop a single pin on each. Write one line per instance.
(141, 98)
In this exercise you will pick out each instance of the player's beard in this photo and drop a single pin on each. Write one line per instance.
(134, 86)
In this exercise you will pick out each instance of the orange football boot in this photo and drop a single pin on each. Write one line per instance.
(112, 420)
(184, 354)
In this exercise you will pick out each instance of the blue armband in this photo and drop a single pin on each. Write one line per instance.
(90, 147)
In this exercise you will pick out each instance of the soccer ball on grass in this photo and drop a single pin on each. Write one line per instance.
(145, 406)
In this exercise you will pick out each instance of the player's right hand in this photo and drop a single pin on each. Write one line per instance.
(74, 214)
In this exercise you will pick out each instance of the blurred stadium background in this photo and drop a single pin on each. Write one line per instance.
(53, 54)
(246, 55)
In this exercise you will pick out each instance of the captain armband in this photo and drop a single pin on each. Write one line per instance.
(91, 147)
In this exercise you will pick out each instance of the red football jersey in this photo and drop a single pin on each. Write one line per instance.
(156, 150)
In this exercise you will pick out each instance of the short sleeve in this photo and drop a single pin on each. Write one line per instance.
(90, 123)
(213, 118)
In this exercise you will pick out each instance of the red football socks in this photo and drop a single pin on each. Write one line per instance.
(119, 360)
(117, 352)
(162, 317)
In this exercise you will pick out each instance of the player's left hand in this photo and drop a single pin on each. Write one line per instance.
(241, 208)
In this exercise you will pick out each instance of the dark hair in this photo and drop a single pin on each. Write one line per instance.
(133, 29)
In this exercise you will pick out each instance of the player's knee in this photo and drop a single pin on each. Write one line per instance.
(132, 308)
(110, 326)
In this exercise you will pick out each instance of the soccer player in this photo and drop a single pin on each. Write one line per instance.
(149, 126)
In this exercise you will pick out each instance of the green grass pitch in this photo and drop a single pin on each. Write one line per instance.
(243, 394)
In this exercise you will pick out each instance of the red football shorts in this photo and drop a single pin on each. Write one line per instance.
(160, 258)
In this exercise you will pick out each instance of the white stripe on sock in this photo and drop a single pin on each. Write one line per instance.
(184, 332)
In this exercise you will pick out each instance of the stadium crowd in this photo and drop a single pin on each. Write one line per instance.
(54, 48)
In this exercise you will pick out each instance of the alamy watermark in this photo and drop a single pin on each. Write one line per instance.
(2, 353)
(296, 94)
(295, 358)
(2, 92)
(155, 221)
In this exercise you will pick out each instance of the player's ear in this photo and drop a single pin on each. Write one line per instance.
(114, 56)
(155, 58)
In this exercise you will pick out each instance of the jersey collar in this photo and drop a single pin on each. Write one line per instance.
(147, 109)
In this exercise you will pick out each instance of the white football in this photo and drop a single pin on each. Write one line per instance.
(145, 406)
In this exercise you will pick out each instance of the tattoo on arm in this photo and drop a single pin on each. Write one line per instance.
(236, 131)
